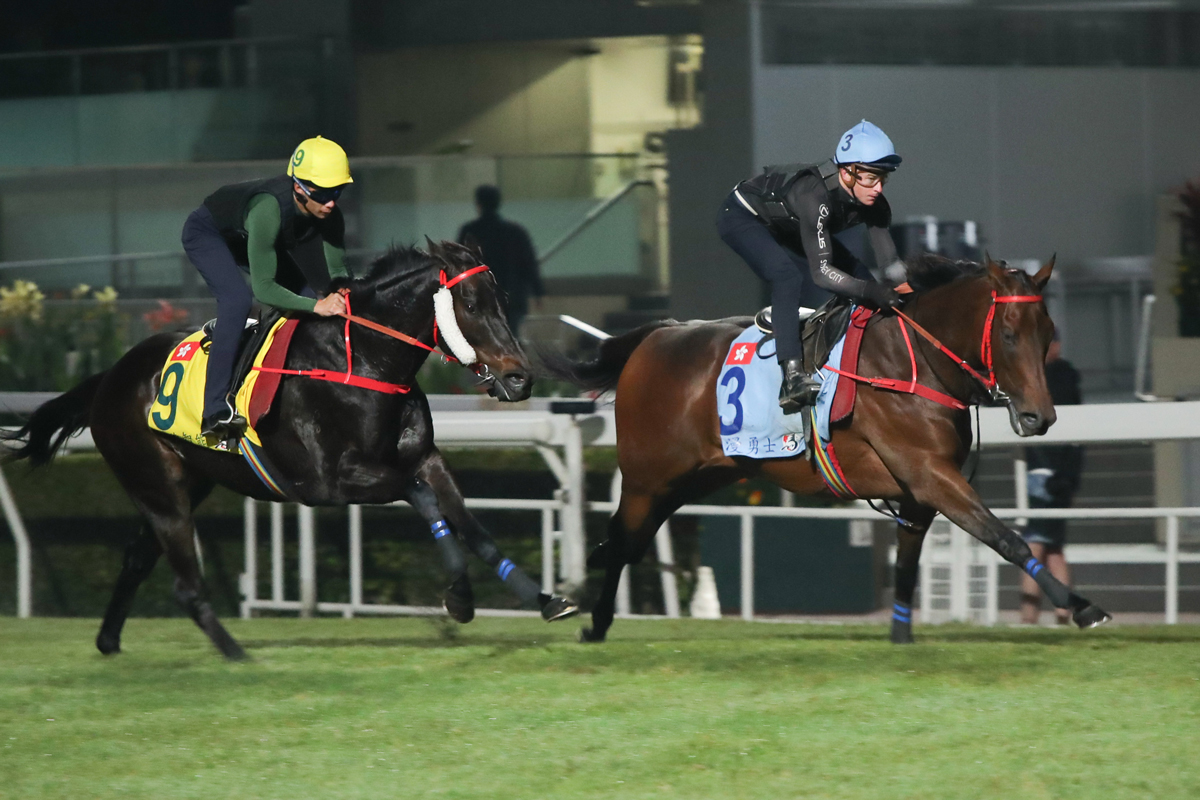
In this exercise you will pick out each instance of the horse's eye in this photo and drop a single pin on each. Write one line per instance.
(1010, 336)
(470, 308)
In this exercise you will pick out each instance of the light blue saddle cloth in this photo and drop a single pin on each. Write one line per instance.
(752, 423)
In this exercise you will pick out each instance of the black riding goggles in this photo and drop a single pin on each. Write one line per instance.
(320, 194)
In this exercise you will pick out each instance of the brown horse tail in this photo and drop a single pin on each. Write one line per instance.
(53, 423)
(602, 372)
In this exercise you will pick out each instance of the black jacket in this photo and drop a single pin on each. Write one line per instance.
(229, 203)
(803, 205)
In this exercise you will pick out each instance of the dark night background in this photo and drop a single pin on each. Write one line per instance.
(72, 24)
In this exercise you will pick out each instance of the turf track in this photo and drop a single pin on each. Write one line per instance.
(516, 709)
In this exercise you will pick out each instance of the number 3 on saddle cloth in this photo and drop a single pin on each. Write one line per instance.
(752, 423)
(180, 402)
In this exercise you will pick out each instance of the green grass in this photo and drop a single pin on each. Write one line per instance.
(387, 708)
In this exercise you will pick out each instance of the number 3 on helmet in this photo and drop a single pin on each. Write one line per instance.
(865, 143)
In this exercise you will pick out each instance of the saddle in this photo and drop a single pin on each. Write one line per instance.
(253, 337)
(820, 330)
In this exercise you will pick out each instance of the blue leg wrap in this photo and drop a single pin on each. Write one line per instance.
(505, 568)
(1033, 567)
(901, 613)
(440, 528)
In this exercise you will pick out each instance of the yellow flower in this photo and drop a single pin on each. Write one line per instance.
(106, 297)
(80, 291)
(23, 300)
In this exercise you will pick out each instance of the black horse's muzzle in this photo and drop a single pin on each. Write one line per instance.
(511, 387)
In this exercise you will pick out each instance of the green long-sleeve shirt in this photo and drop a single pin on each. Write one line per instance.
(262, 228)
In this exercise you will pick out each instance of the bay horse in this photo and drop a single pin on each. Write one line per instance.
(332, 444)
(898, 445)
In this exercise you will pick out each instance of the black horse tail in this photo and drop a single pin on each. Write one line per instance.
(53, 423)
(602, 372)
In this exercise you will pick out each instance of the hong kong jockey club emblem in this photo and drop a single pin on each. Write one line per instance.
(741, 354)
(185, 351)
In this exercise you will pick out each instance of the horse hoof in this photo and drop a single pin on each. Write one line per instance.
(557, 608)
(107, 645)
(1091, 616)
(460, 609)
(236, 653)
(587, 635)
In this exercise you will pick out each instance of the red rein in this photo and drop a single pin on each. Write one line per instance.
(350, 379)
(985, 354)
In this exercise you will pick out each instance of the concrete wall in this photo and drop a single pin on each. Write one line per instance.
(501, 99)
(1045, 159)
(707, 279)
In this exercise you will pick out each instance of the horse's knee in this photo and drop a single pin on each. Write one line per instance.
(140, 559)
(487, 550)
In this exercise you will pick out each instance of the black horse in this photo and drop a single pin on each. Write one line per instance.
(332, 444)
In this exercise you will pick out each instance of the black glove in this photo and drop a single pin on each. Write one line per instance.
(879, 295)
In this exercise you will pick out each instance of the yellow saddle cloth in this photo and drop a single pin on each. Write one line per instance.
(180, 403)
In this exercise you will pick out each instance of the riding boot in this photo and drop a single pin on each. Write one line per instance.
(799, 389)
(226, 425)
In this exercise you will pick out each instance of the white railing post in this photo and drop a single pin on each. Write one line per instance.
(24, 553)
(356, 555)
(666, 560)
(747, 531)
(250, 557)
(548, 551)
(573, 524)
(623, 600)
(960, 574)
(992, 567)
(277, 552)
(1172, 599)
(308, 561)
(1021, 481)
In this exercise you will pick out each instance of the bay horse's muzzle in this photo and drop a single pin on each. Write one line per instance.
(1030, 423)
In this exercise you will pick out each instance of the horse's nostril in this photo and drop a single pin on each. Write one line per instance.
(516, 381)
(1031, 420)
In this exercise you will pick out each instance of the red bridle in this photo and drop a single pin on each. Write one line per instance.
(995, 394)
(348, 377)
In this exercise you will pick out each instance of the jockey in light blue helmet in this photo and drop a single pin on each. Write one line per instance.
(866, 144)
(782, 224)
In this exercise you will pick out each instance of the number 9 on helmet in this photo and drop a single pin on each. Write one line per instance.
(321, 162)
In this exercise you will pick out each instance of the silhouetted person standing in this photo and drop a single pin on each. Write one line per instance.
(1054, 475)
(508, 250)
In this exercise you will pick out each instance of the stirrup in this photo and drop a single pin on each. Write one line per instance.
(804, 396)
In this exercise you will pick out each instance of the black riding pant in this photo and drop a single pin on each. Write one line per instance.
(208, 252)
(786, 271)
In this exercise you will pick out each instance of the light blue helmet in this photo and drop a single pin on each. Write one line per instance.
(865, 143)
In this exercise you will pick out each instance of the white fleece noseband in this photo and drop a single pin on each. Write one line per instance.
(447, 322)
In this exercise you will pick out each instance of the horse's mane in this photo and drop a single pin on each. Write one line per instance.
(930, 270)
(399, 262)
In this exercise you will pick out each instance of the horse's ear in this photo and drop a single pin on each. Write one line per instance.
(1043, 275)
(433, 248)
(996, 270)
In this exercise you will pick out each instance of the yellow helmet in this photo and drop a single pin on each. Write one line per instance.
(321, 162)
